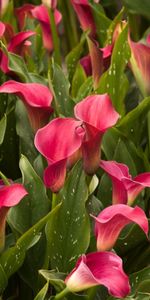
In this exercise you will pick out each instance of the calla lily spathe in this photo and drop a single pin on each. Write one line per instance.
(10, 195)
(99, 268)
(36, 97)
(140, 64)
(125, 189)
(17, 44)
(110, 222)
(94, 115)
(84, 14)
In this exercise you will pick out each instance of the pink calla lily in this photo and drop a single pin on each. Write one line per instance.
(22, 13)
(84, 14)
(40, 13)
(99, 268)
(85, 136)
(140, 64)
(110, 222)
(57, 149)
(125, 189)
(10, 195)
(36, 97)
(17, 45)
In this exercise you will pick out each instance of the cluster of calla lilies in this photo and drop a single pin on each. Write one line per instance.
(65, 140)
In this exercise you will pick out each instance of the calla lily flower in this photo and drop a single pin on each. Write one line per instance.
(125, 189)
(17, 45)
(99, 268)
(110, 222)
(40, 13)
(36, 97)
(94, 115)
(10, 195)
(140, 64)
(22, 13)
(84, 14)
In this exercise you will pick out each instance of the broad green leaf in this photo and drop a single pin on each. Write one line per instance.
(69, 234)
(25, 132)
(18, 66)
(138, 7)
(34, 206)
(128, 124)
(114, 81)
(102, 22)
(12, 259)
(3, 124)
(73, 57)
(134, 238)
(85, 89)
(78, 79)
(140, 280)
(9, 150)
(60, 84)
(122, 155)
(109, 142)
(42, 293)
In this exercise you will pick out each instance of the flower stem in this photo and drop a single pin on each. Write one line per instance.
(4, 178)
(56, 42)
(91, 293)
(62, 294)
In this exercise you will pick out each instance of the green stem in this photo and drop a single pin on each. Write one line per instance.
(62, 294)
(55, 37)
(91, 294)
(5, 180)
(69, 18)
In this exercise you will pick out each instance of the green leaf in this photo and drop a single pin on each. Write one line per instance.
(78, 79)
(102, 22)
(85, 89)
(18, 66)
(140, 280)
(3, 124)
(63, 103)
(12, 259)
(128, 124)
(114, 81)
(32, 207)
(73, 57)
(113, 25)
(42, 293)
(69, 234)
(55, 279)
(138, 7)
(122, 155)
(25, 132)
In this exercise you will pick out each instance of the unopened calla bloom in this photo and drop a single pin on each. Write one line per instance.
(140, 64)
(94, 115)
(36, 97)
(84, 14)
(50, 3)
(99, 268)
(40, 13)
(17, 45)
(110, 222)
(125, 189)
(10, 195)
(3, 6)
